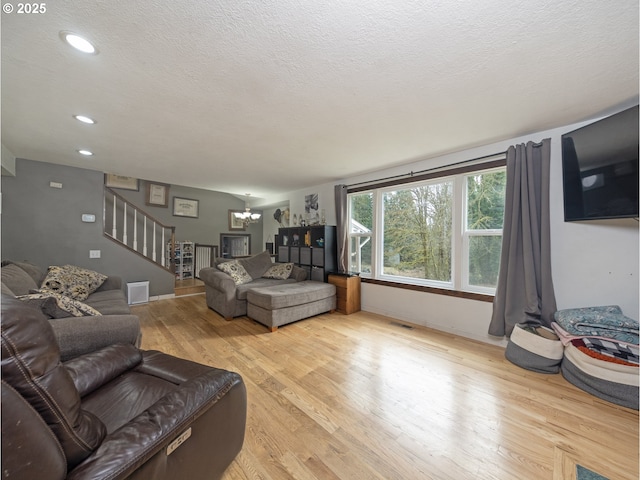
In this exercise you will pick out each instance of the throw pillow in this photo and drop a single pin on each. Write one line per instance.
(66, 307)
(281, 271)
(71, 281)
(257, 265)
(235, 271)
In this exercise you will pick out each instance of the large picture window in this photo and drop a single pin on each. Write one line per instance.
(417, 235)
(442, 232)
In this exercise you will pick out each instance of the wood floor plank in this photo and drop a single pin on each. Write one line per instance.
(362, 397)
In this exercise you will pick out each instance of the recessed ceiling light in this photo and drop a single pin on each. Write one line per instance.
(86, 153)
(78, 42)
(84, 119)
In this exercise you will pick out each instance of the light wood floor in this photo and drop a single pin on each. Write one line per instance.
(359, 396)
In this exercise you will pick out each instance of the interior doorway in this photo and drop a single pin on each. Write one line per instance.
(234, 245)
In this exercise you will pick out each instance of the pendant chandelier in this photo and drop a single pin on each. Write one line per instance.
(247, 217)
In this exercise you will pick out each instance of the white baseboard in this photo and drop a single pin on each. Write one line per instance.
(155, 298)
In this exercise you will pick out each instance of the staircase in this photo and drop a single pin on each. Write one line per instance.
(140, 233)
(137, 231)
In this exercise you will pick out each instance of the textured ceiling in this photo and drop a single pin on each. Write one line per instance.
(276, 95)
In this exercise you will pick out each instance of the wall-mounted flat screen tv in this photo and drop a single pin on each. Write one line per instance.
(600, 169)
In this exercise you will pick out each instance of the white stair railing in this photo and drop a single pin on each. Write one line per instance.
(120, 215)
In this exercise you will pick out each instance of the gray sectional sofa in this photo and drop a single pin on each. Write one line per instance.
(77, 335)
(230, 300)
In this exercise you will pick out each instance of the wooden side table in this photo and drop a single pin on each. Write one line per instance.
(347, 293)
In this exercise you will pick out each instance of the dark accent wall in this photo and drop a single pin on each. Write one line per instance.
(43, 225)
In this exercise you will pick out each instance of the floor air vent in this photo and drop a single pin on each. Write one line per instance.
(398, 324)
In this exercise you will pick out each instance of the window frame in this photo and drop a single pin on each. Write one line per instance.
(459, 285)
(468, 233)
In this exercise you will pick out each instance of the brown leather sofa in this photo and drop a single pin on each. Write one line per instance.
(116, 413)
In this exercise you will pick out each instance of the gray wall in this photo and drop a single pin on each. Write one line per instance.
(43, 225)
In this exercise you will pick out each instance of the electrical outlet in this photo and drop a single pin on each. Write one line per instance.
(94, 253)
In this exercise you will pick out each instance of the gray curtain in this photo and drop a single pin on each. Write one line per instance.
(342, 228)
(524, 293)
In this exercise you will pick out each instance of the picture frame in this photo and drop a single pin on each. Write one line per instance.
(185, 207)
(120, 181)
(235, 224)
(157, 194)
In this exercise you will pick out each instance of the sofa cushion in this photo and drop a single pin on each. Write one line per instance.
(257, 265)
(32, 270)
(72, 281)
(67, 307)
(7, 291)
(236, 271)
(283, 296)
(17, 280)
(241, 290)
(109, 302)
(280, 271)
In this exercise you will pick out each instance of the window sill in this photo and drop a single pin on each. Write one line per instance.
(481, 297)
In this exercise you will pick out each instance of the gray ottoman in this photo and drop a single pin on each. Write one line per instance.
(290, 302)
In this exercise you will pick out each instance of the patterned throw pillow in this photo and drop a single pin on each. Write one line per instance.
(71, 281)
(235, 271)
(67, 307)
(281, 271)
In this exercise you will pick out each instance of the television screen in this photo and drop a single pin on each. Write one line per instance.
(600, 168)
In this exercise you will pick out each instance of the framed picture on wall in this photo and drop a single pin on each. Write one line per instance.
(185, 207)
(157, 194)
(119, 181)
(235, 223)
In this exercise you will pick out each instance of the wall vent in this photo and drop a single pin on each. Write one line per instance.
(403, 325)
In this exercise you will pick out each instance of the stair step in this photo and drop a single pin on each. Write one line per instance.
(188, 287)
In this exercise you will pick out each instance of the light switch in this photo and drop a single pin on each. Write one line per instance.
(94, 253)
(88, 217)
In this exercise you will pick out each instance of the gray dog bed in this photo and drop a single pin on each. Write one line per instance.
(610, 381)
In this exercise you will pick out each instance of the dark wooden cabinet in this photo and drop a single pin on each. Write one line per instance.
(312, 248)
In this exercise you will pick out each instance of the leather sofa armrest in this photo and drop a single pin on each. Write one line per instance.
(132, 445)
(89, 372)
(170, 368)
(222, 282)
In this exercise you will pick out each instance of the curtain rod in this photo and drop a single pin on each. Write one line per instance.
(412, 173)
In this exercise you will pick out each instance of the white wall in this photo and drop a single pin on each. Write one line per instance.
(593, 263)
(269, 224)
